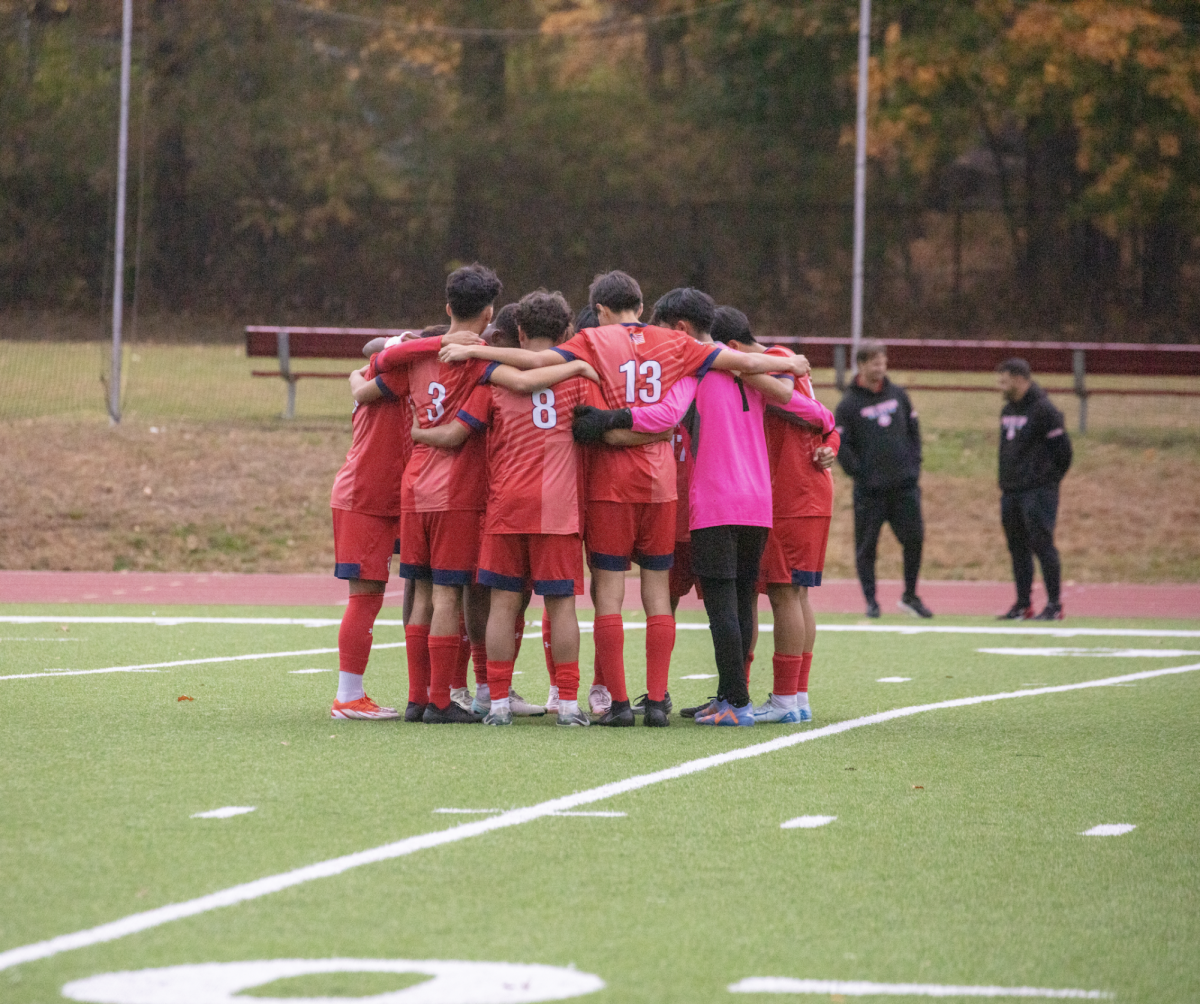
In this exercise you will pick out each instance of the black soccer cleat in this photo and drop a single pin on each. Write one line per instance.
(639, 706)
(911, 603)
(414, 712)
(1017, 612)
(701, 709)
(655, 714)
(451, 714)
(619, 716)
(1051, 612)
(872, 609)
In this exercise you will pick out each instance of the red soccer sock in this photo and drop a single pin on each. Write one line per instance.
(568, 681)
(550, 667)
(660, 643)
(416, 637)
(749, 663)
(805, 666)
(479, 658)
(464, 655)
(499, 677)
(518, 634)
(610, 654)
(787, 672)
(354, 636)
(443, 655)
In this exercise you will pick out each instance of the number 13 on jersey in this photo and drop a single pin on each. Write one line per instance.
(651, 372)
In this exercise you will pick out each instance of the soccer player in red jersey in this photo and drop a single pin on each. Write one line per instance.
(442, 499)
(802, 503)
(366, 517)
(630, 496)
(531, 531)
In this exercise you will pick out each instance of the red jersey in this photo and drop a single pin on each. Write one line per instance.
(533, 463)
(681, 446)
(798, 486)
(439, 480)
(369, 481)
(637, 364)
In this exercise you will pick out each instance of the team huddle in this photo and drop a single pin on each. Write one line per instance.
(490, 454)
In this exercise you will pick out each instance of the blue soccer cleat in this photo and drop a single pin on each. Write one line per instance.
(772, 712)
(724, 713)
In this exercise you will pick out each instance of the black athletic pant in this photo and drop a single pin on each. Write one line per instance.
(725, 560)
(900, 507)
(1029, 518)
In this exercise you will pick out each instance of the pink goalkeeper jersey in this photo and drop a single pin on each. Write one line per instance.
(731, 480)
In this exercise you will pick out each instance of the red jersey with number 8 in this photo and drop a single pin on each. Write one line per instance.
(534, 465)
(637, 365)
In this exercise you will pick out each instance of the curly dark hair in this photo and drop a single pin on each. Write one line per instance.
(470, 289)
(616, 290)
(685, 304)
(544, 315)
(505, 336)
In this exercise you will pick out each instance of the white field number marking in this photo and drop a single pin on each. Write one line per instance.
(807, 822)
(699, 676)
(1109, 830)
(296, 672)
(225, 812)
(894, 679)
(452, 983)
(1097, 653)
(861, 988)
(133, 923)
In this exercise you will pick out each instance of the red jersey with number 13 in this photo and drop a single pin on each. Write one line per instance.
(637, 364)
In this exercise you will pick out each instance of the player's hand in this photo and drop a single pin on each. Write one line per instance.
(461, 338)
(800, 366)
(455, 353)
(590, 424)
(823, 457)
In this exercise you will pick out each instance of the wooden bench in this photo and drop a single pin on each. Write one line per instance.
(1076, 358)
(288, 343)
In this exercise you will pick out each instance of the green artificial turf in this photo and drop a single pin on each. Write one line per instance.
(955, 857)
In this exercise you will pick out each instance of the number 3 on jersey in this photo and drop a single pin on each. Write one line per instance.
(437, 394)
(652, 372)
(544, 415)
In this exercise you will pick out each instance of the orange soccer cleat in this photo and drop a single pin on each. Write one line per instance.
(363, 708)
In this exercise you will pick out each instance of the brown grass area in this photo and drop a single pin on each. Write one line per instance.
(254, 497)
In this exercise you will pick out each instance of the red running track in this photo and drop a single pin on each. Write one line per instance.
(1176, 600)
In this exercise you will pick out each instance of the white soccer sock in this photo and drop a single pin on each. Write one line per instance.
(350, 687)
(483, 692)
(784, 700)
(501, 704)
(553, 694)
(802, 699)
(568, 707)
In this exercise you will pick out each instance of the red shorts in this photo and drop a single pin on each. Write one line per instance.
(795, 553)
(442, 546)
(363, 545)
(554, 561)
(619, 531)
(682, 576)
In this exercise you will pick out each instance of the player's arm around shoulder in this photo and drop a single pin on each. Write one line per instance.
(521, 359)
(531, 381)
(444, 437)
(364, 389)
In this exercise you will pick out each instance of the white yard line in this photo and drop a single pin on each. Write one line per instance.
(147, 667)
(861, 988)
(1047, 632)
(514, 817)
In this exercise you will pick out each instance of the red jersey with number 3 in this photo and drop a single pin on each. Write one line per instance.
(637, 364)
(369, 481)
(534, 465)
(798, 486)
(438, 480)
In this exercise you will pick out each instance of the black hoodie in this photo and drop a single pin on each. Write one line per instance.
(881, 442)
(1035, 450)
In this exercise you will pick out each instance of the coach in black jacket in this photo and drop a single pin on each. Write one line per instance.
(881, 451)
(1035, 454)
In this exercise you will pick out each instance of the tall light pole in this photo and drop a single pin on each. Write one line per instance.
(860, 178)
(114, 381)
